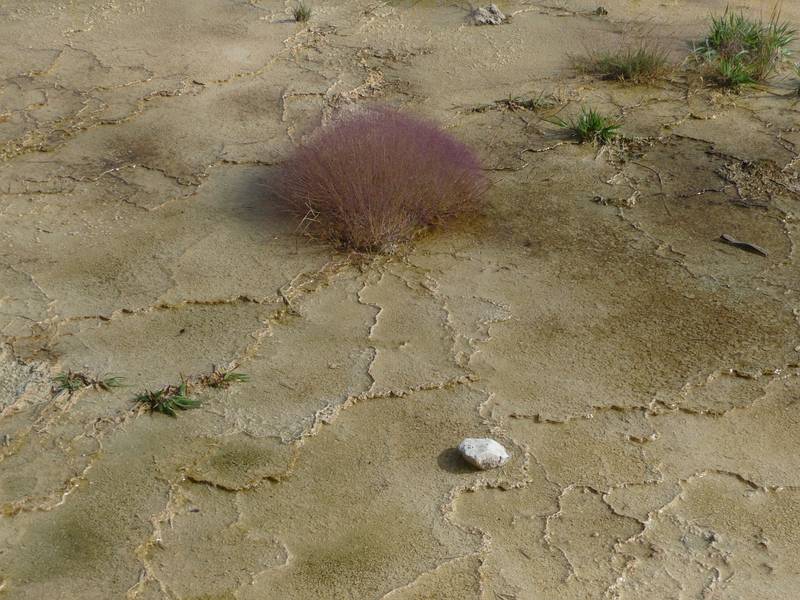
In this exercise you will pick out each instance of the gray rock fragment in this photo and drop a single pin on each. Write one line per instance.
(488, 15)
(483, 453)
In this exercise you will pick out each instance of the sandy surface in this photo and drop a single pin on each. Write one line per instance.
(644, 375)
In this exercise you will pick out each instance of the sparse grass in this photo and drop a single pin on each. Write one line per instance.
(796, 69)
(172, 398)
(515, 103)
(519, 103)
(637, 63)
(591, 126)
(69, 382)
(220, 378)
(376, 178)
(168, 399)
(301, 12)
(72, 381)
(743, 51)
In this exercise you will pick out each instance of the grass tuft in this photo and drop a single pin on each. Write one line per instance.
(172, 398)
(639, 63)
(168, 399)
(377, 178)
(69, 382)
(591, 126)
(734, 72)
(301, 12)
(743, 51)
(72, 381)
(220, 378)
(235, 378)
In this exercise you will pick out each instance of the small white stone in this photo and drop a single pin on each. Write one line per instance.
(488, 15)
(484, 453)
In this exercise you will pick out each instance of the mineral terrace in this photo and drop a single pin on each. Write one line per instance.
(643, 375)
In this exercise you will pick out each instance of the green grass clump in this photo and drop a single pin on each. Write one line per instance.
(220, 378)
(72, 381)
(734, 72)
(591, 126)
(301, 13)
(639, 63)
(172, 398)
(168, 399)
(743, 51)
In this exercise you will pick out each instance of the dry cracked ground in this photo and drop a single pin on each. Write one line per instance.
(644, 375)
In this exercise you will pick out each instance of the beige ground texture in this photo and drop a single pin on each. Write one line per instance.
(644, 375)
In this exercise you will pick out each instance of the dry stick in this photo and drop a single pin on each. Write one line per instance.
(660, 183)
(304, 225)
(705, 191)
(524, 163)
(545, 149)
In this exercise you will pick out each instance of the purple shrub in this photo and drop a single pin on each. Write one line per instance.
(379, 177)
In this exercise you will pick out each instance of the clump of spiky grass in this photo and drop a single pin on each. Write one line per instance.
(72, 381)
(378, 177)
(734, 72)
(641, 62)
(168, 399)
(591, 126)
(301, 12)
(172, 398)
(743, 51)
(222, 378)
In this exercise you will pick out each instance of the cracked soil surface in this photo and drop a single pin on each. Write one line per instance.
(645, 376)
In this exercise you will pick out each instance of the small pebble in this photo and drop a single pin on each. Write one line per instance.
(488, 15)
(483, 453)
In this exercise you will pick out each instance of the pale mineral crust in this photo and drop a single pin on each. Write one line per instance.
(642, 374)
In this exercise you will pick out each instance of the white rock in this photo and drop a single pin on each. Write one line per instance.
(484, 453)
(488, 15)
